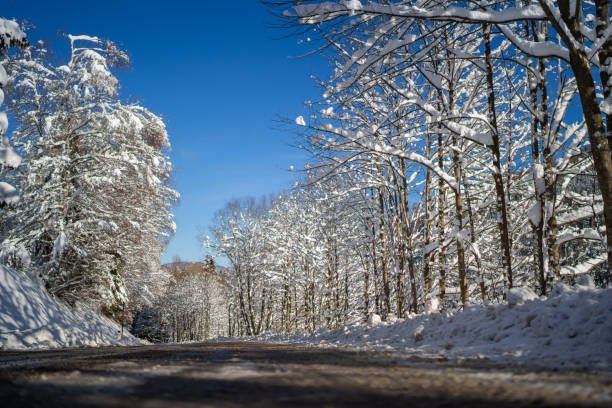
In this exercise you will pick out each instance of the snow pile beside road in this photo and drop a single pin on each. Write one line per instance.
(572, 328)
(31, 318)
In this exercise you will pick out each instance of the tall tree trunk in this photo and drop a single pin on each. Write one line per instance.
(460, 246)
(287, 308)
(441, 224)
(398, 221)
(550, 177)
(401, 273)
(474, 246)
(602, 10)
(459, 239)
(383, 242)
(428, 221)
(250, 303)
(366, 282)
(366, 294)
(406, 223)
(458, 199)
(539, 211)
(502, 209)
(377, 305)
(346, 293)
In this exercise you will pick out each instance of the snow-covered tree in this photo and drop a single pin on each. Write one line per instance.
(94, 216)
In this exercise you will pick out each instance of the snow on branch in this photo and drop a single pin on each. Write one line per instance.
(74, 38)
(325, 11)
(457, 128)
(584, 267)
(587, 233)
(359, 139)
(579, 214)
(538, 49)
(11, 35)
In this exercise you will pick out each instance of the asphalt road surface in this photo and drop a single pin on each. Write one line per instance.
(268, 375)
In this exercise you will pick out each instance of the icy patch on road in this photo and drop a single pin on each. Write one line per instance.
(31, 318)
(572, 328)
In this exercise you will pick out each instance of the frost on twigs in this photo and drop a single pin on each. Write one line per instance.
(155, 135)
(116, 57)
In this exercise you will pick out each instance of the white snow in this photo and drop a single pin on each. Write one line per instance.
(83, 38)
(3, 122)
(8, 155)
(300, 121)
(538, 176)
(584, 267)
(432, 305)
(59, 245)
(31, 318)
(535, 214)
(10, 30)
(374, 320)
(8, 194)
(518, 296)
(572, 328)
(579, 214)
(353, 4)
(3, 77)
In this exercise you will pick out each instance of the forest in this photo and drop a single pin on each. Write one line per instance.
(457, 150)
(382, 203)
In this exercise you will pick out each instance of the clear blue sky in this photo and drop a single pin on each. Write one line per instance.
(217, 74)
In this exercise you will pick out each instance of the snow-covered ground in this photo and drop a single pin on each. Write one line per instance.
(31, 318)
(571, 328)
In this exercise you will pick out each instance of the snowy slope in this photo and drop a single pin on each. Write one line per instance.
(572, 328)
(31, 318)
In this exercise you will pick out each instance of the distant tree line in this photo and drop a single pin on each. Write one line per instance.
(191, 307)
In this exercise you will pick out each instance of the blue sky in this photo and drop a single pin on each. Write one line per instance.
(218, 75)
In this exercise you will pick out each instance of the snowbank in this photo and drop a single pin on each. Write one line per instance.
(31, 318)
(572, 328)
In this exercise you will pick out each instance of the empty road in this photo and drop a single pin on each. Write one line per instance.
(268, 375)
